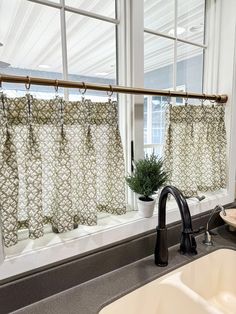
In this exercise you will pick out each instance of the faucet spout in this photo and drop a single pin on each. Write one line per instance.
(187, 241)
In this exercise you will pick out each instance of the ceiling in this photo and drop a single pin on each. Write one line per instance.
(31, 36)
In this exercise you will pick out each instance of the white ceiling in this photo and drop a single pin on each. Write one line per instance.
(31, 35)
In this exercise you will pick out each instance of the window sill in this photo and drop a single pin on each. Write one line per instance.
(29, 255)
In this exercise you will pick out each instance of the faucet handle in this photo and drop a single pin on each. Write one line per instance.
(188, 243)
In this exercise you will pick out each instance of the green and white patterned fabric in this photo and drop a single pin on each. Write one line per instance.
(195, 147)
(60, 163)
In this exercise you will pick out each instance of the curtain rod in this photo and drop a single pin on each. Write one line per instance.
(109, 88)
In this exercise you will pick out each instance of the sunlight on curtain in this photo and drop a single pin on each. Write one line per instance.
(195, 148)
(60, 163)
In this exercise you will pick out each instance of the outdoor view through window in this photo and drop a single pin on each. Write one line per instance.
(173, 58)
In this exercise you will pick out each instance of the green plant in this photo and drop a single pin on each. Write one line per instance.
(148, 176)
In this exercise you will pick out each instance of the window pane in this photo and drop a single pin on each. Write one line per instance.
(103, 7)
(91, 54)
(158, 62)
(159, 15)
(191, 20)
(31, 38)
(190, 67)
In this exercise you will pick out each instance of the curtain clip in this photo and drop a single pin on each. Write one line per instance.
(186, 99)
(203, 99)
(82, 92)
(110, 93)
(28, 84)
(56, 88)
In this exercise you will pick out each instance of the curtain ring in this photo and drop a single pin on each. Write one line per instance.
(85, 89)
(28, 84)
(110, 93)
(203, 99)
(213, 101)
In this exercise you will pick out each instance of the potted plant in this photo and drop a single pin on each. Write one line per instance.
(147, 178)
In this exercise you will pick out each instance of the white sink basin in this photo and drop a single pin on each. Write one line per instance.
(206, 285)
(213, 277)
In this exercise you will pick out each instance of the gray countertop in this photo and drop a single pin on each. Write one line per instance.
(91, 296)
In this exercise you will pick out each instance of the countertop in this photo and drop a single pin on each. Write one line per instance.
(91, 296)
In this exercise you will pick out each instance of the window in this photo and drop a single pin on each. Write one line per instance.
(68, 39)
(173, 58)
(174, 49)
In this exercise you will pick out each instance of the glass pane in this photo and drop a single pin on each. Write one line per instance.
(159, 15)
(189, 67)
(31, 43)
(103, 7)
(158, 62)
(154, 124)
(156, 149)
(91, 54)
(191, 20)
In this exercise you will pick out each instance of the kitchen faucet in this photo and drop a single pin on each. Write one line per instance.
(187, 242)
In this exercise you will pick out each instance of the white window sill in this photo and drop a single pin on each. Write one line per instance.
(31, 254)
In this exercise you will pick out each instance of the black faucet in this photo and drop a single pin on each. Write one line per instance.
(187, 242)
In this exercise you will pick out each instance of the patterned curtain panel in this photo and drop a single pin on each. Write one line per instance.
(195, 148)
(60, 163)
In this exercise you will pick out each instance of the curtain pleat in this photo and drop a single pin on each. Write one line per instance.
(195, 148)
(33, 175)
(9, 184)
(58, 173)
(63, 216)
(87, 188)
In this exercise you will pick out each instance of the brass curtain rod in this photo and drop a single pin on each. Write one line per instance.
(109, 88)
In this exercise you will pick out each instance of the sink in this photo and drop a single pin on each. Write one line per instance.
(204, 286)
(213, 277)
(154, 298)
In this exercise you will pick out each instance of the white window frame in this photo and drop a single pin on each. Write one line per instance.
(221, 17)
